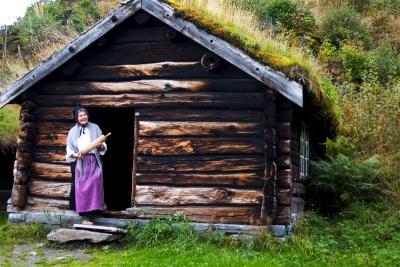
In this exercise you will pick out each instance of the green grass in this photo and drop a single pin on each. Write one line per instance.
(359, 236)
(9, 125)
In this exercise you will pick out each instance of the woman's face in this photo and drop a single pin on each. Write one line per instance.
(83, 117)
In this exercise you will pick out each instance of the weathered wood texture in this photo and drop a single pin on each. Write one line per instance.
(240, 215)
(142, 53)
(173, 196)
(181, 70)
(56, 190)
(195, 100)
(151, 86)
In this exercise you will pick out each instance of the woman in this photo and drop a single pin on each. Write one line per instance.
(87, 194)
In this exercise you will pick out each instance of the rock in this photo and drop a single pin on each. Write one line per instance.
(63, 235)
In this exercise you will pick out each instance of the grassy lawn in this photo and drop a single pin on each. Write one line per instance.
(359, 236)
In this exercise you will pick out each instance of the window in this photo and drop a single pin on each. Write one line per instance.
(304, 150)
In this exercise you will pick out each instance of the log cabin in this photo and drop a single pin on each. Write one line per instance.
(199, 127)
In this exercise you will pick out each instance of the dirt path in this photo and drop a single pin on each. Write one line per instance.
(39, 254)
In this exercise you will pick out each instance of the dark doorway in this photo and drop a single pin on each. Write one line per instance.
(7, 158)
(117, 162)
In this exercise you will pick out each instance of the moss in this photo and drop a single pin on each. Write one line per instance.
(259, 44)
(9, 125)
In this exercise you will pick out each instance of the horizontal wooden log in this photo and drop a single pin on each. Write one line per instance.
(284, 130)
(157, 114)
(159, 70)
(284, 178)
(51, 171)
(228, 215)
(167, 128)
(59, 140)
(141, 53)
(287, 146)
(173, 196)
(288, 160)
(200, 163)
(270, 114)
(47, 189)
(28, 107)
(283, 196)
(49, 155)
(183, 99)
(54, 114)
(282, 216)
(53, 127)
(40, 203)
(187, 146)
(151, 86)
(230, 179)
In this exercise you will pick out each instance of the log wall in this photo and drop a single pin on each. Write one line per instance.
(208, 141)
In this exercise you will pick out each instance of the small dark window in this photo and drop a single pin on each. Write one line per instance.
(304, 150)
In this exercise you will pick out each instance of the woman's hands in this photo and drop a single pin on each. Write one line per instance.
(77, 155)
(100, 147)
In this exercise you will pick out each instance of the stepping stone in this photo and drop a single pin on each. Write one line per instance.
(68, 235)
(100, 228)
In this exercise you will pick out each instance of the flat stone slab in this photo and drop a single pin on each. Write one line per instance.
(100, 228)
(63, 236)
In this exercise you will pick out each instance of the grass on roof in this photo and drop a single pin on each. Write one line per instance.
(242, 29)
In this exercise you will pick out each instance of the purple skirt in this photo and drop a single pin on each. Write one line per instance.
(89, 194)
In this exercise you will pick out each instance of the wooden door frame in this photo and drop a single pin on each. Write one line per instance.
(135, 144)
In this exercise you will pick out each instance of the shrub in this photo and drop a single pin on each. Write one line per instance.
(355, 62)
(290, 15)
(385, 62)
(83, 14)
(343, 24)
(341, 180)
(389, 5)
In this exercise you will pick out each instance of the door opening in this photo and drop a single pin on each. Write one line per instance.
(117, 162)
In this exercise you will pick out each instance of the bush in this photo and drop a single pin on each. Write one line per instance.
(343, 24)
(385, 62)
(355, 62)
(341, 180)
(290, 15)
(389, 5)
(83, 14)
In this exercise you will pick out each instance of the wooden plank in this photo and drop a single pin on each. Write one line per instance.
(229, 215)
(141, 53)
(159, 70)
(290, 89)
(51, 171)
(69, 51)
(187, 146)
(54, 114)
(168, 128)
(172, 196)
(151, 86)
(39, 188)
(200, 163)
(230, 179)
(134, 158)
(284, 178)
(210, 115)
(204, 99)
(100, 229)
